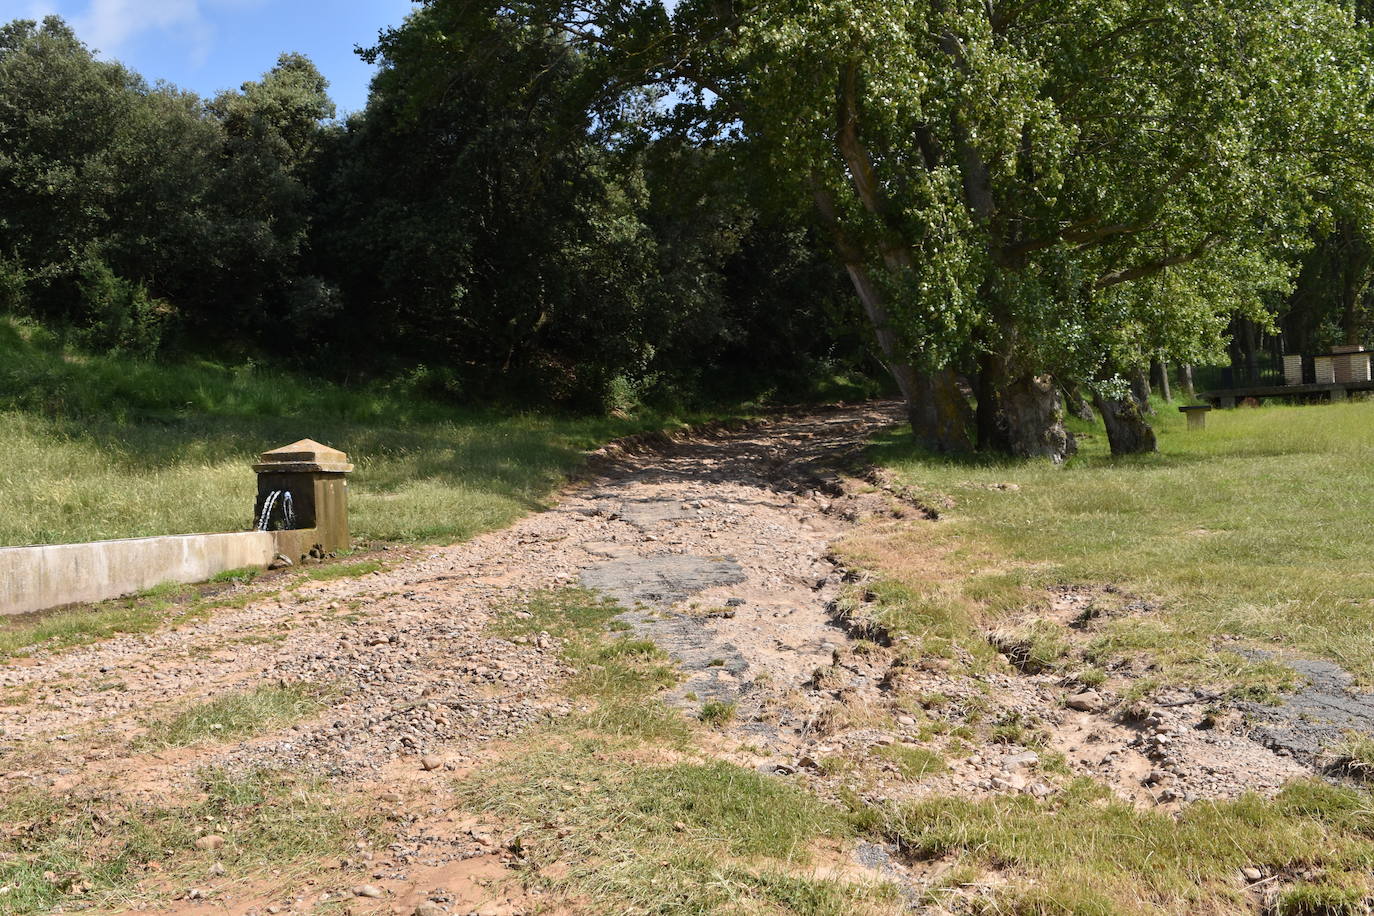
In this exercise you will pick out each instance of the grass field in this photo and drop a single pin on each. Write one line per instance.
(102, 447)
(1256, 528)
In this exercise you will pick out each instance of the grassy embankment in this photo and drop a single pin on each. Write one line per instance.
(101, 447)
(1253, 531)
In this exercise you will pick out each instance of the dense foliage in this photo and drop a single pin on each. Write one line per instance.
(478, 226)
(591, 202)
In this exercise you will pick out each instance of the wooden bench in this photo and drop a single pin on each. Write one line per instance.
(1196, 414)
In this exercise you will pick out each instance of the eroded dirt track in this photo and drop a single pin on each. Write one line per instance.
(719, 549)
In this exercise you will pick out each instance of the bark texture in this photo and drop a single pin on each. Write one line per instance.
(1128, 432)
(1022, 416)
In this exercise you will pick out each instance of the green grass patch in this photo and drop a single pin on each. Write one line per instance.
(63, 629)
(686, 838)
(96, 447)
(1245, 529)
(1088, 852)
(234, 715)
(618, 673)
(79, 852)
(912, 763)
(343, 570)
(241, 576)
(717, 713)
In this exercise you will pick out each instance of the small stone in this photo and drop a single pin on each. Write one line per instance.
(1087, 701)
(1020, 761)
(905, 720)
(429, 908)
(430, 762)
(368, 890)
(210, 842)
(1251, 873)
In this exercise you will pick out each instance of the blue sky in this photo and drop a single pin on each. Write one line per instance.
(208, 45)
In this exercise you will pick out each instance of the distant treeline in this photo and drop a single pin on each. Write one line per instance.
(476, 225)
(1000, 208)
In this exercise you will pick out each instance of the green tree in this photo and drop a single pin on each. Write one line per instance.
(998, 176)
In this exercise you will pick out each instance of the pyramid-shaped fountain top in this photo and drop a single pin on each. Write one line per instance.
(305, 455)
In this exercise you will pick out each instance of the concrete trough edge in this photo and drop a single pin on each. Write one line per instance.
(49, 575)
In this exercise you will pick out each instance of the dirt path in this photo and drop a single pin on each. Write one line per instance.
(720, 549)
(737, 524)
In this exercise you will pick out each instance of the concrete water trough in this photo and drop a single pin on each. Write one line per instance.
(301, 510)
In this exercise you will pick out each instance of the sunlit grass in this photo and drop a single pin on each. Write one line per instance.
(66, 851)
(234, 715)
(1088, 852)
(103, 447)
(1256, 527)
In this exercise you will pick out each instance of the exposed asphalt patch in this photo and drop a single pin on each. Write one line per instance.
(1308, 722)
(661, 581)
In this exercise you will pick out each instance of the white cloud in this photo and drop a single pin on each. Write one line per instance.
(109, 25)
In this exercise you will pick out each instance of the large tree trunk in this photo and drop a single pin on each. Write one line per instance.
(1128, 432)
(1020, 415)
(1019, 412)
(938, 411)
(1033, 419)
(1185, 373)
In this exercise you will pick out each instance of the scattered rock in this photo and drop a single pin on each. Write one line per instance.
(368, 890)
(431, 762)
(1013, 762)
(1087, 701)
(429, 908)
(1250, 873)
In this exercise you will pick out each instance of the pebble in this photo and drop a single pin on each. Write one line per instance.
(1250, 873)
(430, 762)
(368, 890)
(429, 908)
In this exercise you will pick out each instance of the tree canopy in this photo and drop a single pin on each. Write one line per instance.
(583, 202)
